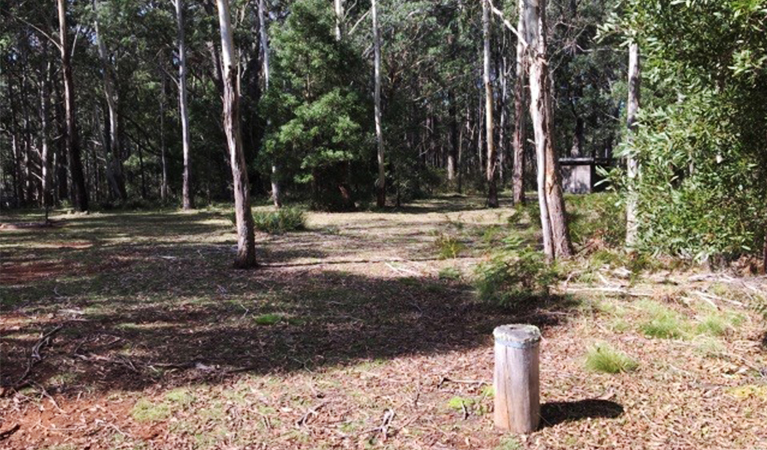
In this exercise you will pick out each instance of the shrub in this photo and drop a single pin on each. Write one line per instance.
(603, 358)
(280, 221)
(596, 218)
(448, 246)
(515, 272)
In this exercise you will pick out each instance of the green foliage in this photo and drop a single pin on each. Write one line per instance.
(448, 246)
(596, 218)
(603, 358)
(514, 273)
(700, 143)
(449, 273)
(459, 403)
(280, 221)
(315, 106)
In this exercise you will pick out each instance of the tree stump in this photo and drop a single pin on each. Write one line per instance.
(516, 378)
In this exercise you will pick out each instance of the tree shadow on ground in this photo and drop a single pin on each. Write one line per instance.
(554, 413)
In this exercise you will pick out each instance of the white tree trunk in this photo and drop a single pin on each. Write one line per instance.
(186, 190)
(264, 38)
(381, 183)
(246, 246)
(520, 124)
(339, 8)
(492, 193)
(632, 167)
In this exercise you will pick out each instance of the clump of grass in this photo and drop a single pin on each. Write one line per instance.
(713, 324)
(662, 323)
(281, 221)
(459, 403)
(449, 273)
(448, 246)
(603, 358)
(510, 443)
(146, 411)
(180, 396)
(268, 319)
(709, 347)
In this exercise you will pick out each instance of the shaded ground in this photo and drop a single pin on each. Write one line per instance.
(162, 345)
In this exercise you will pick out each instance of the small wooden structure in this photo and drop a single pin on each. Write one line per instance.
(516, 378)
(579, 174)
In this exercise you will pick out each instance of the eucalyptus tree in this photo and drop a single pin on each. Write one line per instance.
(246, 244)
(186, 195)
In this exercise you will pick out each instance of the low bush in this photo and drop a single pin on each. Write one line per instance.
(280, 221)
(515, 273)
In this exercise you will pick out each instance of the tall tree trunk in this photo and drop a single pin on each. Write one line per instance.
(45, 107)
(246, 246)
(552, 201)
(381, 183)
(264, 38)
(79, 191)
(520, 124)
(186, 190)
(492, 188)
(340, 11)
(114, 154)
(452, 154)
(632, 167)
(163, 158)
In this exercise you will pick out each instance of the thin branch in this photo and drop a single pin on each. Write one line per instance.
(506, 23)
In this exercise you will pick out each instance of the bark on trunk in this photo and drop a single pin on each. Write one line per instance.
(79, 191)
(520, 124)
(339, 8)
(381, 183)
(45, 107)
(186, 190)
(246, 247)
(492, 188)
(632, 168)
(551, 199)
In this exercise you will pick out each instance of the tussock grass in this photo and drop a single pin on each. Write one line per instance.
(280, 221)
(603, 358)
(448, 246)
(662, 322)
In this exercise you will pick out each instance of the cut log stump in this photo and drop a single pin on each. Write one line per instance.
(516, 378)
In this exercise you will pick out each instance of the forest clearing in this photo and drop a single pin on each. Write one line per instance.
(358, 317)
(394, 224)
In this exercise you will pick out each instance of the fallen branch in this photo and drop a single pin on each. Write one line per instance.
(7, 433)
(444, 380)
(611, 290)
(34, 358)
(385, 424)
(304, 420)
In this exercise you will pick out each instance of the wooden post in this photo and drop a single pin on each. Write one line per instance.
(516, 382)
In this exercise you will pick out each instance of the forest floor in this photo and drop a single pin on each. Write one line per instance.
(363, 331)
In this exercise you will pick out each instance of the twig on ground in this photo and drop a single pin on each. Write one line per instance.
(304, 420)
(610, 289)
(385, 424)
(46, 394)
(35, 357)
(7, 433)
(444, 380)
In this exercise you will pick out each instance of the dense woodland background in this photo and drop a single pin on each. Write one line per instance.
(303, 73)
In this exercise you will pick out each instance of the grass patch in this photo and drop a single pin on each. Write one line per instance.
(603, 358)
(449, 273)
(709, 347)
(180, 396)
(146, 411)
(510, 443)
(459, 403)
(268, 319)
(662, 323)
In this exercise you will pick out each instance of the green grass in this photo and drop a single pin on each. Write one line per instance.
(180, 396)
(605, 359)
(268, 319)
(147, 411)
(510, 443)
(662, 322)
(459, 403)
(449, 273)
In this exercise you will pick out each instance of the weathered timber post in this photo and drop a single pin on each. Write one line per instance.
(516, 381)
